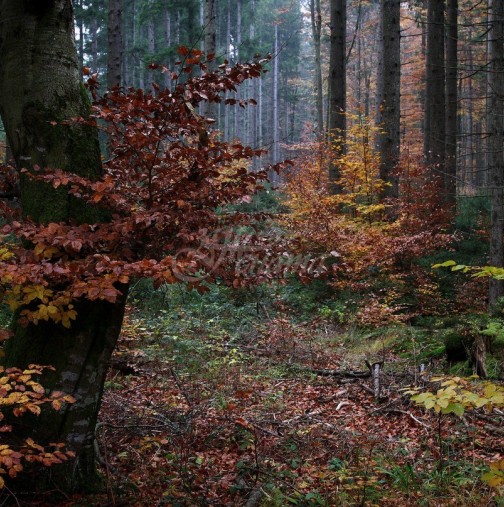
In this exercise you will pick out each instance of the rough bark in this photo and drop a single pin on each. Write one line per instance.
(316, 23)
(450, 178)
(435, 104)
(40, 83)
(337, 85)
(114, 56)
(496, 154)
(389, 97)
(210, 47)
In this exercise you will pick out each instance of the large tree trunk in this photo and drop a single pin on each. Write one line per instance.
(337, 85)
(389, 97)
(496, 154)
(40, 83)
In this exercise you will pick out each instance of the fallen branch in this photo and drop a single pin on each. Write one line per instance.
(396, 410)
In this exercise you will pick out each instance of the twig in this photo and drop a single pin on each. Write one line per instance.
(181, 387)
(396, 410)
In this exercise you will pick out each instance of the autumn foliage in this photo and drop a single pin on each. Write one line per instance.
(157, 209)
(376, 241)
(21, 393)
(157, 200)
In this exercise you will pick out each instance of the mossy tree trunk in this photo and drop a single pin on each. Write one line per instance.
(39, 84)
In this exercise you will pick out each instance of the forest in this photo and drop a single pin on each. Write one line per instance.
(251, 253)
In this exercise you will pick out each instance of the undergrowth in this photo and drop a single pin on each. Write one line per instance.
(231, 401)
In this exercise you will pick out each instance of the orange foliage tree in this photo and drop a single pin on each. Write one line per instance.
(161, 208)
(375, 254)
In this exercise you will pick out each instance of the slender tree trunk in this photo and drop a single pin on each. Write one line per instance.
(238, 118)
(81, 37)
(470, 121)
(151, 44)
(337, 86)
(276, 123)
(227, 110)
(210, 47)
(450, 180)
(134, 39)
(316, 23)
(496, 155)
(167, 41)
(114, 56)
(435, 104)
(389, 96)
(40, 83)
(94, 44)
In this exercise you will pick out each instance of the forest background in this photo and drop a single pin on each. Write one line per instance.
(284, 383)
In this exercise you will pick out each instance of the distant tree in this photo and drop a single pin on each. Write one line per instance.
(389, 96)
(316, 24)
(337, 83)
(435, 103)
(115, 44)
(450, 178)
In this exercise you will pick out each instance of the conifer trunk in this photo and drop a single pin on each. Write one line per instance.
(337, 86)
(389, 101)
(435, 104)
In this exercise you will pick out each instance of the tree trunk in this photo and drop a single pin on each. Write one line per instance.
(389, 96)
(435, 104)
(276, 123)
(210, 47)
(40, 83)
(450, 179)
(316, 22)
(94, 44)
(238, 117)
(114, 56)
(151, 44)
(337, 86)
(496, 154)
(167, 37)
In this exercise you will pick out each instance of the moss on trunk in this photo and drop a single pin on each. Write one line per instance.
(39, 85)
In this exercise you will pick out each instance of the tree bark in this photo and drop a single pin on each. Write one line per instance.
(115, 47)
(496, 154)
(276, 123)
(40, 83)
(450, 179)
(435, 104)
(389, 95)
(210, 47)
(337, 86)
(316, 23)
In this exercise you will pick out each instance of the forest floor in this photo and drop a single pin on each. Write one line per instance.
(280, 414)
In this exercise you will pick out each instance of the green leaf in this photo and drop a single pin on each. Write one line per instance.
(459, 267)
(454, 408)
(445, 264)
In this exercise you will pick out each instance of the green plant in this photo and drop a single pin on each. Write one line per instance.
(403, 477)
